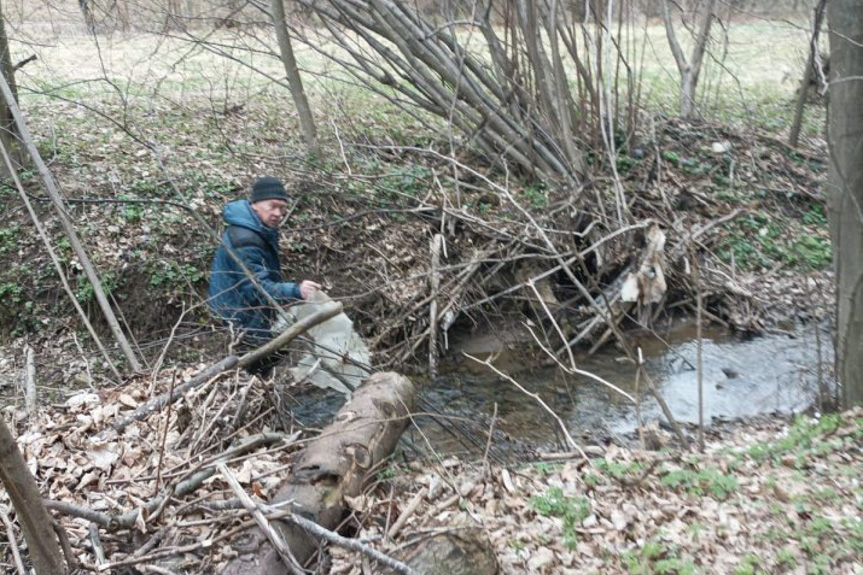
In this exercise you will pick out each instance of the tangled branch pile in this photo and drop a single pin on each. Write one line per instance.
(706, 209)
(147, 496)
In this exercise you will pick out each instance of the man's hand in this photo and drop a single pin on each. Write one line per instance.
(308, 288)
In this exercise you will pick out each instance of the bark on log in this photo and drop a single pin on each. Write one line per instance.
(333, 466)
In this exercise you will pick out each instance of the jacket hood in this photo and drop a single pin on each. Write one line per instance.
(240, 213)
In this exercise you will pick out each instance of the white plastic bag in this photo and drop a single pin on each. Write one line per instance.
(339, 356)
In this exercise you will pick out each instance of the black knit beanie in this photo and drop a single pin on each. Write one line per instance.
(268, 188)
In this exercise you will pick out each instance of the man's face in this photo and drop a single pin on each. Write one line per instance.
(271, 212)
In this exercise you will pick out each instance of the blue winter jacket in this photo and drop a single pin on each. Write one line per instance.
(231, 295)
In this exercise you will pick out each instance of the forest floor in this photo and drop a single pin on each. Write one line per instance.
(768, 495)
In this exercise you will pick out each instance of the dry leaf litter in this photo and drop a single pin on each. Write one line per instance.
(769, 495)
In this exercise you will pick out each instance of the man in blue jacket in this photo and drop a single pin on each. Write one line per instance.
(252, 235)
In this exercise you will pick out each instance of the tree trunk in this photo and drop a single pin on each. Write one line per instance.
(808, 74)
(57, 200)
(87, 14)
(689, 69)
(845, 136)
(122, 8)
(335, 465)
(295, 82)
(32, 515)
(7, 122)
(687, 93)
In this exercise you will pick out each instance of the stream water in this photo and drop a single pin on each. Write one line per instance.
(767, 374)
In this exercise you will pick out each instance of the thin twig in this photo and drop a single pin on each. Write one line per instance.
(666, 411)
(407, 513)
(174, 551)
(65, 546)
(571, 444)
(638, 367)
(699, 346)
(96, 542)
(274, 535)
(577, 371)
(321, 533)
(164, 436)
(158, 366)
(30, 381)
(13, 542)
(436, 244)
(554, 323)
(485, 465)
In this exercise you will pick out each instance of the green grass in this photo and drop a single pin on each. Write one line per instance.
(84, 291)
(762, 240)
(805, 438)
(701, 482)
(750, 565)
(786, 559)
(755, 82)
(618, 470)
(545, 468)
(656, 558)
(572, 510)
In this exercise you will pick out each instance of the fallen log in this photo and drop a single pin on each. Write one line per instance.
(333, 466)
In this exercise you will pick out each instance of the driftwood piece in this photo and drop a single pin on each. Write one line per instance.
(335, 465)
